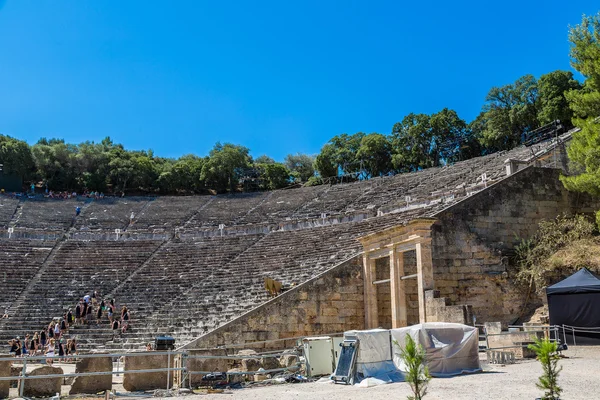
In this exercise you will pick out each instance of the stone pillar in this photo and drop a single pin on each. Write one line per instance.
(424, 275)
(371, 317)
(398, 292)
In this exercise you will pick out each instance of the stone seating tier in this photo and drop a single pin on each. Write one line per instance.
(190, 286)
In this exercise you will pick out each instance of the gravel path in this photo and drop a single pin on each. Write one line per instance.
(579, 380)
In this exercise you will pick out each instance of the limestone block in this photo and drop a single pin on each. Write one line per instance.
(43, 387)
(493, 328)
(251, 364)
(210, 365)
(236, 378)
(270, 363)
(288, 360)
(96, 383)
(5, 371)
(148, 380)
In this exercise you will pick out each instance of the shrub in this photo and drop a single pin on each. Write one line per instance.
(547, 355)
(534, 255)
(417, 373)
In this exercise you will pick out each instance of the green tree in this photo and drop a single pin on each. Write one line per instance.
(510, 111)
(417, 373)
(300, 165)
(224, 166)
(375, 154)
(547, 355)
(553, 105)
(584, 150)
(16, 157)
(274, 176)
(345, 148)
(325, 162)
(411, 141)
(56, 163)
(448, 132)
(264, 159)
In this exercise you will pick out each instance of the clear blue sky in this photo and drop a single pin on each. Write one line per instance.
(278, 77)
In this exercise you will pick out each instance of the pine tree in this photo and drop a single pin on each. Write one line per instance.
(584, 151)
(417, 373)
(547, 355)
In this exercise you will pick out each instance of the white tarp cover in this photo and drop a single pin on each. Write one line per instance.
(374, 358)
(451, 349)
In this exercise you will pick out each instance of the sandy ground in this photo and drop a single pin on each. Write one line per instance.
(579, 380)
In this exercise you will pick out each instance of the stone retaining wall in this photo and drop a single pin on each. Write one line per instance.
(332, 302)
(473, 241)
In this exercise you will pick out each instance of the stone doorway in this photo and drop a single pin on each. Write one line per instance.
(398, 269)
(407, 290)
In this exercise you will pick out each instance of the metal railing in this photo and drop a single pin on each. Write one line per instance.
(24, 376)
(177, 362)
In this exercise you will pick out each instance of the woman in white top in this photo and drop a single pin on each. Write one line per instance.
(50, 352)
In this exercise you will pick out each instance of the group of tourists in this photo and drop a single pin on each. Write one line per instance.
(92, 307)
(45, 342)
(52, 342)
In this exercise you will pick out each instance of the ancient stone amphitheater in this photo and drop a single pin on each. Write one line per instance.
(194, 267)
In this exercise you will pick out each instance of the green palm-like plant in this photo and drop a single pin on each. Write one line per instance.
(417, 373)
(547, 355)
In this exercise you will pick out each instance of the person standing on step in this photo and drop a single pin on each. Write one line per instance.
(61, 349)
(51, 330)
(73, 349)
(83, 311)
(13, 347)
(50, 351)
(111, 310)
(63, 324)
(77, 211)
(78, 313)
(69, 317)
(43, 339)
(89, 314)
(26, 345)
(57, 331)
(99, 314)
(115, 328)
(35, 342)
(124, 319)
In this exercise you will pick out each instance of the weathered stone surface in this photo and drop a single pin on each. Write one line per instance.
(493, 328)
(96, 383)
(5, 370)
(149, 380)
(237, 378)
(315, 308)
(14, 371)
(210, 365)
(43, 387)
(251, 364)
(270, 363)
(288, 360)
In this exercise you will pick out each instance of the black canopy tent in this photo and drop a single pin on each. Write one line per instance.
(575, 302)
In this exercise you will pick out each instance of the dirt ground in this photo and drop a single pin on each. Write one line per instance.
(579, 380)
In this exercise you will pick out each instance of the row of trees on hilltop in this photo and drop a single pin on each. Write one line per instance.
(421, 141)
(417, 141)
(107, 166)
